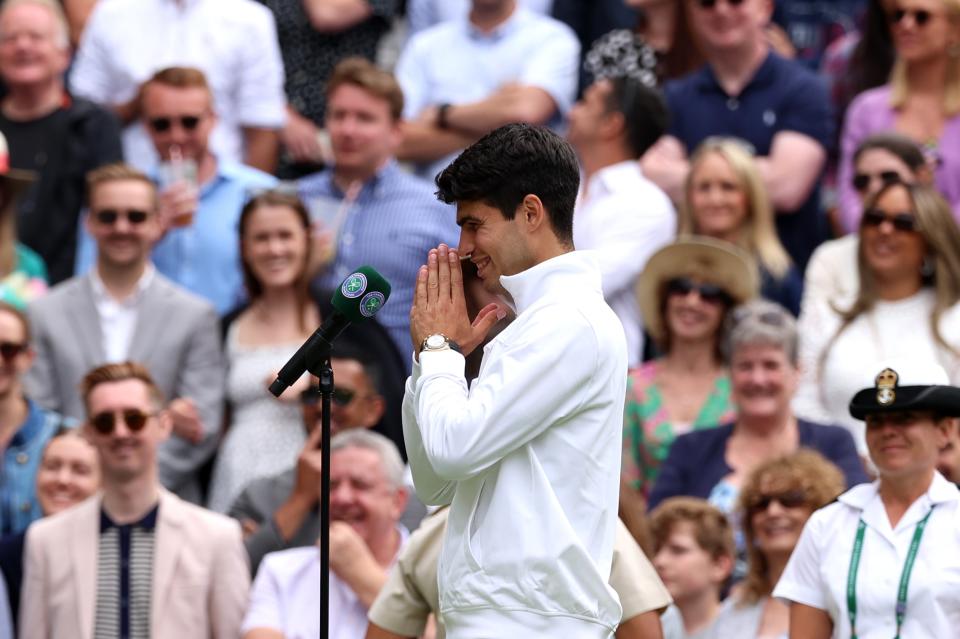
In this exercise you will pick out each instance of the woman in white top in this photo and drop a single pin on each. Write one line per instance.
(884, 560)
(909, 268)
(777, 499)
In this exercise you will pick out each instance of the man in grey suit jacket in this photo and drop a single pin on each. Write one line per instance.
(124, 309)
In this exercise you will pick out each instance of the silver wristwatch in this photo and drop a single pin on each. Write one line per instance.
(438, 342)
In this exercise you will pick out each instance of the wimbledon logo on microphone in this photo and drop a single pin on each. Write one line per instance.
(354, 286)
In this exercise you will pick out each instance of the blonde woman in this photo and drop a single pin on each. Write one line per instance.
(724, 198)
(776, 501)
(921, 101)
(909, 269)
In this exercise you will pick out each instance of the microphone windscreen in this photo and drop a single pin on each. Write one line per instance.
(361, 294)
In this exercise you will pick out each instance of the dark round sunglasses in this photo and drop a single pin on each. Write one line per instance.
(710, 293)
(105, 422)
(109, 217)
(920, 16)
(9, 350)
(340, 396)
(787, 499)
(862, 180)
(188, 122)
(901, 221)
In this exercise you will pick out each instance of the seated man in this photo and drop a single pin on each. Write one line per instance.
(282, 511)
(124, 309)
(25, 429)
(366, 498)
(411, 593)
(59, 137)
(498, 64)
(134, 560)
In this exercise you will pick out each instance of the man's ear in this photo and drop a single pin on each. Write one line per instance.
(534, 214)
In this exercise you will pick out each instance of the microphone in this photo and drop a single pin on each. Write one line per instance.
(358, 298)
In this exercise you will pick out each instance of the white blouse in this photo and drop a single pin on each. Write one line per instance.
(816, 574)
(889, 330)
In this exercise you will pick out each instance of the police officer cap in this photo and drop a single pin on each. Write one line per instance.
(901, 385)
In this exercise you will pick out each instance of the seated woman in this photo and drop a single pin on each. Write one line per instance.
(693, 554)
(881, 159)
(69, 472)
(761, 351)
(921, 100)
(684, 293)
(777, 499)
(883, 560)
(724, 198)
(906, 305)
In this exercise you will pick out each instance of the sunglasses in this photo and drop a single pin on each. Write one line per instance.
(9, 350)
(920, 16)
(710, 293)
(188, 122)
(788, 499)
(134, 418)
(109, 217)
(901, 221)
(340, 396)
(862, 180)
(710, 4)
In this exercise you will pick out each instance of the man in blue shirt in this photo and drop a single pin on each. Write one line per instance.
(25, 428)
(385, 217)
(746, 91)
(201, 195)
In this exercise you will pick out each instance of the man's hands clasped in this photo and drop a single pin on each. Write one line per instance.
(439, 305)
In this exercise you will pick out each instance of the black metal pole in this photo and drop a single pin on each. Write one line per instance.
(325, 373)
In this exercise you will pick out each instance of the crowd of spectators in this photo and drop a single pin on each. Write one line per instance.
(771, 189)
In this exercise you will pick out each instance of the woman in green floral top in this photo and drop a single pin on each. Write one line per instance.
(684, 293)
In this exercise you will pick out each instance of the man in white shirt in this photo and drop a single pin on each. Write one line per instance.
(464, 78)
(124, 309)
(367, 497)
(528, 456)
(620, 214)
(235, 45)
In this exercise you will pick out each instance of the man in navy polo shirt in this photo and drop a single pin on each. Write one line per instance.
(746, 91)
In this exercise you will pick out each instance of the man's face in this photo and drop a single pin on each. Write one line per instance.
(123, 221)
(948, 462)
(178, 117)
(15, 353)
(355, 403)
(362, 496)
(589, 117)
(495, 244)
(31, 48)
(726, 25)
(363, 133)
(125, 452)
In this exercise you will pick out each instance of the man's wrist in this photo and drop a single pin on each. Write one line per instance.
(438, 342)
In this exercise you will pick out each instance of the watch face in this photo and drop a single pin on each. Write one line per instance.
(436, 341)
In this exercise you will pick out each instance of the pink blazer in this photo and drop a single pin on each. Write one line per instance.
(201, 576)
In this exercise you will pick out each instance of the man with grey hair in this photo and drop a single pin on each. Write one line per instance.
(59, 137)
(367, 496)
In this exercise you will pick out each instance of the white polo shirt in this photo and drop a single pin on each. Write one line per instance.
(817, 572)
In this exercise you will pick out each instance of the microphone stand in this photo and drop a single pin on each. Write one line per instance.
(319, 365)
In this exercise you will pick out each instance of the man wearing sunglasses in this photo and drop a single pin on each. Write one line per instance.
(133, 560)
(50, 132)
(745, 90)
(282, 511)
(124, 309)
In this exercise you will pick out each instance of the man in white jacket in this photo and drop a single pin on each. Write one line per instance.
(528, 456)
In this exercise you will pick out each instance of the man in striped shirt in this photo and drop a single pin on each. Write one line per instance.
(134, 561)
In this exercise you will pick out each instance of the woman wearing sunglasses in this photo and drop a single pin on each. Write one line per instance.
(883, 560)
(909, 271)
(777, 499)
(684, 292)
(724, 198)
(921, 100)
(880, 160)
(761, 352)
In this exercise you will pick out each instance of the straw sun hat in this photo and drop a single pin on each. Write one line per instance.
(709, 260)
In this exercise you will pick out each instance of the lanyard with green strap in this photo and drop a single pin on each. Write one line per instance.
(901, 609)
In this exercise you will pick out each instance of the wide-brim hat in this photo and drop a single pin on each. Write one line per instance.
(720, 263)
(907, 385)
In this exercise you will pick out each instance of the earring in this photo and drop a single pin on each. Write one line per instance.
(927, 267)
